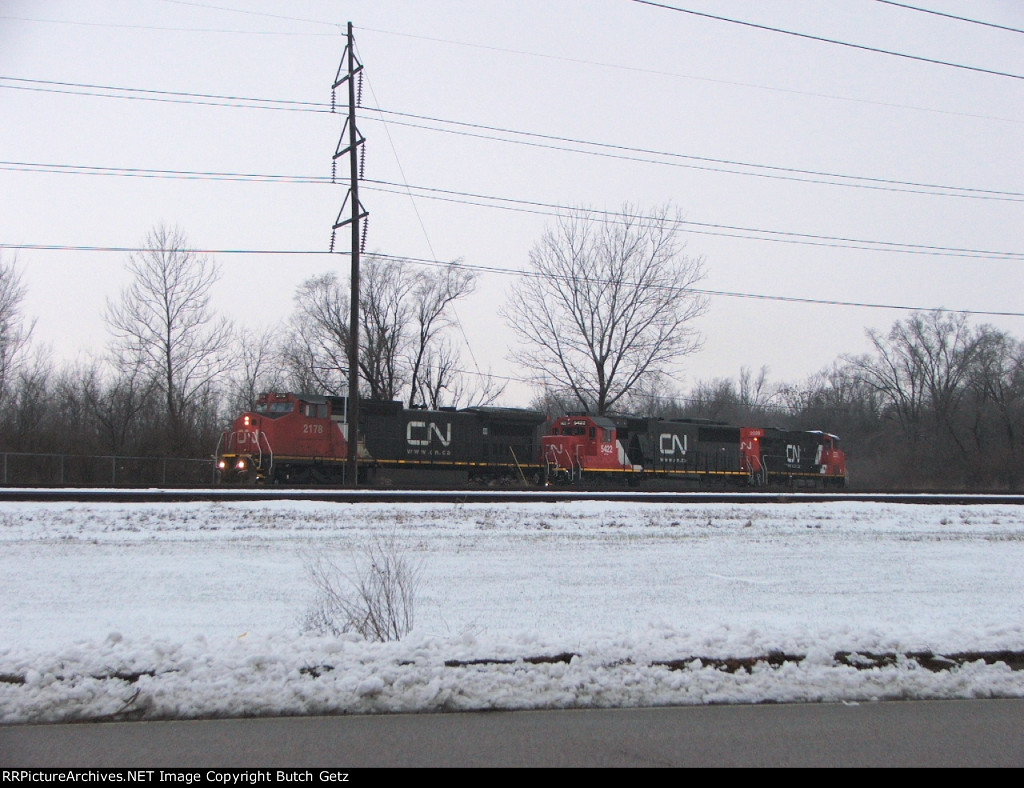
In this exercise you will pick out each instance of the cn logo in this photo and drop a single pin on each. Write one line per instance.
(792, 454)
(420, 433)
(669, 444)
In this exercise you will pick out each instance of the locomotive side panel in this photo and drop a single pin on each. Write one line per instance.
(474, 443)
(694, 448)
(802, 458)
(718, 457)
(510, 442)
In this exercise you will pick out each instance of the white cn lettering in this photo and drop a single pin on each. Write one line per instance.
(669, 443)
(446, 439)
(424, 431)
(792, 454)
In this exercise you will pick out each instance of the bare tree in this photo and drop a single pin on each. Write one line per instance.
(610, 303)
(15, 331)
(402, 316)
(653, 396)
(163, 322)
(716, 399)
(385, 313)
(755, 393)
(27, 415)
(438, 382)
(317, 349)
(315, 352)
(994, 406)
(921, 367)
(119, 404)
(258, 366)
(432, 298)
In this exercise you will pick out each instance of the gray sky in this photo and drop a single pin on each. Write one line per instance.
(832, 153)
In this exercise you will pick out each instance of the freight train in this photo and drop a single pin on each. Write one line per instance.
(296, 439)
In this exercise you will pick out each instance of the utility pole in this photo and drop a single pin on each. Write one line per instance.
(351, 66)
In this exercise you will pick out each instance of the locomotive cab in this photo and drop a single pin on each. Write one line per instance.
(274, 441)
(792, 458)
(581, 444)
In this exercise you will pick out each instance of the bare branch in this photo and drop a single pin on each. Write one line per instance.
(611, 305)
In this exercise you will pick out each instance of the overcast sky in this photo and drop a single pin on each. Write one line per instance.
(810, 172)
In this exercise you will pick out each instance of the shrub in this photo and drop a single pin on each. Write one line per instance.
(375, 598)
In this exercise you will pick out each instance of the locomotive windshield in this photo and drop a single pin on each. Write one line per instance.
(275, 409)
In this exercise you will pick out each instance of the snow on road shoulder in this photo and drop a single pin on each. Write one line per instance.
(124, 679)
(152, 611)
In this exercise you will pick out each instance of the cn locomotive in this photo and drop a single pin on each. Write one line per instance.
(303, 439)
(298, 439)
(690, 453)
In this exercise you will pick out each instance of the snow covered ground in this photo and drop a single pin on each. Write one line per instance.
(150, 611)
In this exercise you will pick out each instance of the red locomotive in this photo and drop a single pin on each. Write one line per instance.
(303, 439)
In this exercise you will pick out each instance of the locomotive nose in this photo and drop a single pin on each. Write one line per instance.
(555, 446)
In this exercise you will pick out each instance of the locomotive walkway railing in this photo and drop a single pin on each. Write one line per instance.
(30, 469)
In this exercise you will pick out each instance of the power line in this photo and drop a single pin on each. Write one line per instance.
(772, 171)
(248, 12)
(529, 206)
(505, 272)
(714, 293)
(661, 73)
(581, 61)
(162, 28)
(950, 16)
(709, 228)
(602, 149)
(138, 172)
(824, 40)
(170, 96)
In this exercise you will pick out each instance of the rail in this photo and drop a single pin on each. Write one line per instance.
(507, 496)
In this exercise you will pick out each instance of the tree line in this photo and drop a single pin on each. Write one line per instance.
(602, 321)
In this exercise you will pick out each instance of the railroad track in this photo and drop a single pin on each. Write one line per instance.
(549, 495)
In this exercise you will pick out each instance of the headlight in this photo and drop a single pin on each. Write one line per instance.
(222, 465)
(240, 465)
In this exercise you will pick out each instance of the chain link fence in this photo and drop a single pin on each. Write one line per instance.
(18, 469)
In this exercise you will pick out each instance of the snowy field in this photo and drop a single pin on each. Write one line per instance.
(155, 611)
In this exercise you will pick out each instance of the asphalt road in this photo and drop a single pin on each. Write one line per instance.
(971, 733)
